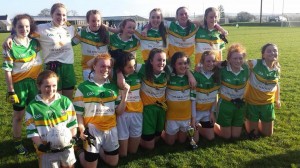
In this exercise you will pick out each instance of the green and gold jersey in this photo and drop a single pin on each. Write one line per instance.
(262, 84)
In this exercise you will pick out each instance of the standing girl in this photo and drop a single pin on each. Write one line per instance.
(93, 39)
(262, 92)
(21, 65)
(208, 84)
(96, 106)
(50, 109)
(156, 36)
(207, 38)
(125, 39)
(179, 101)
(129, 123)
(234, 76)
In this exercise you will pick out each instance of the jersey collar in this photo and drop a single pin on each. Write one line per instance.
(270, 69)
(39, 98)
(230, 69)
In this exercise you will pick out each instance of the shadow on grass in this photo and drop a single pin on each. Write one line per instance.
(289, 159)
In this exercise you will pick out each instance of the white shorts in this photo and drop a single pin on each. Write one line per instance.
(56, 160)
(173, 126)
(108, 140)
(129, 125)
(85, 74)
(202, 116)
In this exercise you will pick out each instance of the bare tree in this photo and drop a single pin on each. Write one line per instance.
(44, 12)
(221, 11)
(72, 13)
(244, 17)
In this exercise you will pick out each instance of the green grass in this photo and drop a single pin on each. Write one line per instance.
(280, 150)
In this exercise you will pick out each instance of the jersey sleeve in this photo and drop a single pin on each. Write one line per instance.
(78, 102)
(8, 61)
(31, 129)
(77, 38)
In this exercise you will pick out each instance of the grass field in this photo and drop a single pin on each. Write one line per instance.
(280, 150)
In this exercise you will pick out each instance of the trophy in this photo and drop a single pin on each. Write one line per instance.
(190, 132)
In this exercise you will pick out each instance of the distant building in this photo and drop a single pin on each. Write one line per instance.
(5, 23)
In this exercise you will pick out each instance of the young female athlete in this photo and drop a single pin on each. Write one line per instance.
(50, 109)
(207, 37)
(263, 92)
(208, 84)
(129, 123)
(94, 39)
(179, 101)
(234, 77)
(21, 66)
(96, 106)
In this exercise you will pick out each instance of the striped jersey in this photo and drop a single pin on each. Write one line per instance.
(152, 91)
(207, 40)
(56, 42)
(153, 40)
(179, 96)
(179, 40)
(41, 117)
(262, 84)
(233, 84)
(97, 103)
(134, 102)
(23, 61)
(91, 45)
(117, 43)
(206, 91)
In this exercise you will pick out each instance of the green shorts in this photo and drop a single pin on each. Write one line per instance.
(265, 113)
(26, 91)
(153, 119)
(66, 74)
(229, 115)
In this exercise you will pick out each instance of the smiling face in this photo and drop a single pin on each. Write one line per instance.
(94, 22)
(22, 28)
(181, 65)
(155, 18)
(48, 88)
(59, 16)
(211, 19)
(128, 29)
(182, 16)
(102, 68)
(236, 60)
(158, 62)
(208, 62)
(270, 54)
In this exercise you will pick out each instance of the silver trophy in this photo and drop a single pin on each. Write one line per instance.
(191, 132)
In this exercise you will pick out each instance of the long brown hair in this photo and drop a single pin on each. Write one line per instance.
(24, 16)
(102, 31)
(162, 29)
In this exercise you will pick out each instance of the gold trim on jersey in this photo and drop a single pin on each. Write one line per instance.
(27, 59)
(182, 37)
(32, 73)
(87, 41)
(265, 81)
(178, 88)
(234, 87)
(218, 41)
(55, 121)
(206, 91)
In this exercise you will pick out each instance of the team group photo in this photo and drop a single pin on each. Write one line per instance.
(167, 90)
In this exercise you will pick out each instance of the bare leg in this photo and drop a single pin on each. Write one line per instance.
(123, 147)
(133, 144)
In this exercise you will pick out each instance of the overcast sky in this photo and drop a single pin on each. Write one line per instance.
(142, 7)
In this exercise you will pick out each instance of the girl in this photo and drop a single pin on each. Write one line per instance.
(207, 38)
(21, 66)
(125, 39)
(154, 82)
(231, 107)
(156, 36)
(55, 40)
(50, 109)
(96, 106)
(129, 123)
(208, 84)
(178, 95)
(94, 39)
(262, 92)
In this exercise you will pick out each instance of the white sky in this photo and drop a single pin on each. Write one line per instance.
(143, 7)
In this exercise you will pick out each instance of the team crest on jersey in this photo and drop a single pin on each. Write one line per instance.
(50, 35)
